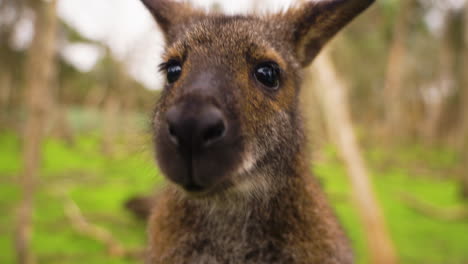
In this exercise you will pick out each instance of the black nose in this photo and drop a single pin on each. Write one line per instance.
(195, 127)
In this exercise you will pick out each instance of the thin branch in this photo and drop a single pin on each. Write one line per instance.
(425, 208)
(84, 227)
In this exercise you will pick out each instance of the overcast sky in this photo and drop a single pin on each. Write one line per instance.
(129, 30)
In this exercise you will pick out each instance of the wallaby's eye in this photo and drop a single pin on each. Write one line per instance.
(268, 73)
(173, 70)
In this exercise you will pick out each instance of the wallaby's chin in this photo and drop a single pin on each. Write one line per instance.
(225, 171)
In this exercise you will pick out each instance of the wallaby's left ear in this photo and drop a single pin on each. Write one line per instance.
(171, 15)
(314, 23)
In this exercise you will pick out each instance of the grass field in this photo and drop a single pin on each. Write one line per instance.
(100, 184)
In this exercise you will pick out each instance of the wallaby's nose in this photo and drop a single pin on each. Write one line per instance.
(195, 128)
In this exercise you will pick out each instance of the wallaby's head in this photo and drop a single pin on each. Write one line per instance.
(229, 108)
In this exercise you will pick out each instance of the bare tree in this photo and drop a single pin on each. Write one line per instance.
(331, 93)
(5, 93)
(446, 80)
(39, 72)
(465, 66)
(11, 10)
(464, 110)
(315, 125)
(393, 88)
(112, 107)
(115, 81)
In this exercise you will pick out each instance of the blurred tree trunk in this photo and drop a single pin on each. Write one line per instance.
(463, 131)
(10, 9)
(114, 81)
(127, 98)
(95, 97)
(464, 110)
(5, 93)
(335, 104)
(60, 125)
(437, 103)
(39, 71)
(315, 125)
(393, 97)
(110, 128)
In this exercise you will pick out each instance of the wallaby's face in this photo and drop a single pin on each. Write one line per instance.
(230, 98)
(230, 103)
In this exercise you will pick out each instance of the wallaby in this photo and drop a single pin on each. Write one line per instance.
(230, 138)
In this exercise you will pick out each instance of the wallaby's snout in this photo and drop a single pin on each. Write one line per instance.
(198, 144)
(196, 129)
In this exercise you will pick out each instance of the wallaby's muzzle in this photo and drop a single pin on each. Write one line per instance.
(198, 145)
(195, 128)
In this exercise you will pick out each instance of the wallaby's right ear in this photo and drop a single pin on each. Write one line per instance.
(168, 14)
(315, 22)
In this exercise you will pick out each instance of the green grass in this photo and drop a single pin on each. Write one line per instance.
(99, 184)
(418, 238)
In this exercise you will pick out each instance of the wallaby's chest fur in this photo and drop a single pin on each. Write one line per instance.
(291, 227)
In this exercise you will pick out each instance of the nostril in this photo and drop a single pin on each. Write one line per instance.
(173, 134)
(173, 117)
(214, 133)
(172, 131)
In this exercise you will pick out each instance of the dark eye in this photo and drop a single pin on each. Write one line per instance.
(268, 73)
(173, 69)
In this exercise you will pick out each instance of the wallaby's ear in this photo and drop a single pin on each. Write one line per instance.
(314, 23)
(169, 14)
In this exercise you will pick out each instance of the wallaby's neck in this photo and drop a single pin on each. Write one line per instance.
(292, 222)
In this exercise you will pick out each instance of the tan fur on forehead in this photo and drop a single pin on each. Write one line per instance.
(236, 35)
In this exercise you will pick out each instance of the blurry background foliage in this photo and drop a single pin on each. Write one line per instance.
(87, 108)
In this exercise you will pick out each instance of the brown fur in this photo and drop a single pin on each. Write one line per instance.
(264, 207)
